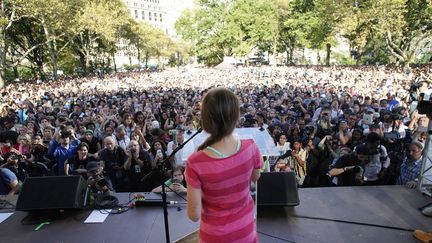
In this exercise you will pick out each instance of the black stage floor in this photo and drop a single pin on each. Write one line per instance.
(377, 207)
(389, 206)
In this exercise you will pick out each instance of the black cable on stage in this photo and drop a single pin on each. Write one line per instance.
(356, 223)
(275, 237)
(3, 204)
(178, 194)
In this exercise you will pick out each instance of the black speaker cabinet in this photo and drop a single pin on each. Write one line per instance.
(52, 193)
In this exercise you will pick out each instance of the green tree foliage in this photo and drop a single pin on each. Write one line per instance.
(380, 30)
(219, 28)
(75, 35)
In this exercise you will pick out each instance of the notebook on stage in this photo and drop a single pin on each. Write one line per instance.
(277, 189)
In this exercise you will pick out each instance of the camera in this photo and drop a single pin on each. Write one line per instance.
(392, 135)
(175, 181)
(358, 172)
(172, 132)
(159, 153)
(424, 106)
(100, 180)
(415, 86)
(308, 130)
(132, 150)
(66, 134)
(16, 157)
(285, 155)
(357, 169)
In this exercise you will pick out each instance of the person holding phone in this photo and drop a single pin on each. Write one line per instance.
(179, 159)
(176, 183)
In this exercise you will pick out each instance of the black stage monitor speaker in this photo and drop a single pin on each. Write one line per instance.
(52, 193)
(277, 189)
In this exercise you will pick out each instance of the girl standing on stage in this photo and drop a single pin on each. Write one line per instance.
(219, 174)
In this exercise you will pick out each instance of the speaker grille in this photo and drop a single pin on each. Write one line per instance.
(48, 193)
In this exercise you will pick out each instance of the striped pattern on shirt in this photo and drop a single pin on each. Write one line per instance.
(227, 206)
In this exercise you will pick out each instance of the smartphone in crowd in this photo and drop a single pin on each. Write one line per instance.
(368, 119)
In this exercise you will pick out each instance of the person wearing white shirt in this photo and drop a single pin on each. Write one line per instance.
(179, 159)
(121, 137)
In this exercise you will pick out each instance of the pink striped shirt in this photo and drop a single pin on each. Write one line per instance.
(227, 206)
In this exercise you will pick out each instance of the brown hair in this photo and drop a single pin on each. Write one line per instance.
(220, 111)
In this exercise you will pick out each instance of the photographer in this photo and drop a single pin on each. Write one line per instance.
(137, 165)
(177, 183)
(114, 158)
(77, 164)
(178, 159)
(16, 163)
(379, 161)
(411, 164)
(319, 162)
(343, 133)
(65, 151)
(297, 161)
(324, 123)
(96, 179)
(158, 151)
(349, 168)
(397, 127)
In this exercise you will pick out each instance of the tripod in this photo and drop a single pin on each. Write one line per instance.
(425, 177)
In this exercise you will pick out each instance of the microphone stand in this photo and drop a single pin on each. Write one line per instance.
(162, 170)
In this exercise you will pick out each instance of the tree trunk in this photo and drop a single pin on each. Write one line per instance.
(146, 59)
(274, 53)
(303, 56)
(52, 50)
(54, 65)
(139, 56)
(318, 57)
(15, 70)
(82, 60)
(114, 62)
(328, 54)
(3, 47)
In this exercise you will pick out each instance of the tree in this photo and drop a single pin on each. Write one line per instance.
(296, 24)
(10, 13)
(21, 37)
(406, 25)
(97, 29)
(251, 24)
(202, 28)
(55, 18)
(219, 28)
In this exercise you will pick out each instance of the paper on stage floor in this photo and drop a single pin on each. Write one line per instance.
(4, 216)
(97, 216)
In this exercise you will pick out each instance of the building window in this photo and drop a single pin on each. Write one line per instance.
(150, 16)
(155, 16)
(135, 4)
(160, 15)
(143, 15)
(136, 13)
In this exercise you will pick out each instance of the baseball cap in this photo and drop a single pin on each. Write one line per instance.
(92, 166)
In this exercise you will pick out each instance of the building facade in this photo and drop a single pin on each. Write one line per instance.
(160, 14)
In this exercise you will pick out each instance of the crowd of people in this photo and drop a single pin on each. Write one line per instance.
(332, 125)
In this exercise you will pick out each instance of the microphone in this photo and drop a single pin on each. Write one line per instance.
(143, 202)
